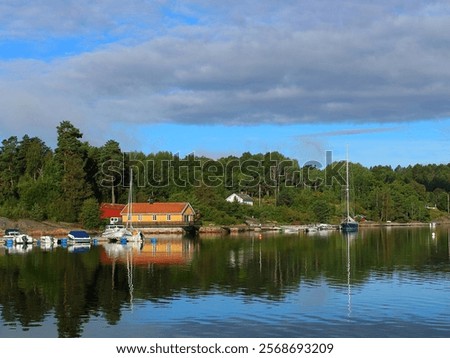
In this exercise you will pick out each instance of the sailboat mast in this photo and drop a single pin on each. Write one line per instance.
(348, 224)
(347, 189)
(130, 201)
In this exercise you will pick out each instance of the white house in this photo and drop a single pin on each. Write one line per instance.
(240, 198)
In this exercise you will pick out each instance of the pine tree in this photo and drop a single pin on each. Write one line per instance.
(71, 155)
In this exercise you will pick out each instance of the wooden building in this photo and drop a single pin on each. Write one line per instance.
(111, 212)
(157, 214)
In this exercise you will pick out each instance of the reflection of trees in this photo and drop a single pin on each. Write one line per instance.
(75, 287)
(34, 284)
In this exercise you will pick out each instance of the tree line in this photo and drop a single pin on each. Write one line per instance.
(68, 184)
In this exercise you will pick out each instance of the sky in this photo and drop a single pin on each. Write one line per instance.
(219, 78)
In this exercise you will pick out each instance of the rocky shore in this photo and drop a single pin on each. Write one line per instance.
(36, 228)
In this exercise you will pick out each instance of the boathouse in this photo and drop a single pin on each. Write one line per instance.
(111, 212)
(158, 214)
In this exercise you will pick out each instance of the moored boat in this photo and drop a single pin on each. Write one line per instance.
(132, 234)
(114, 232)
(16, 237)
(46, 242)
(47, 239)
(349, 225)
(79, 236)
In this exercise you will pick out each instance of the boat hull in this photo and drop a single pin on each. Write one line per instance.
(349, 227)
(79, 240)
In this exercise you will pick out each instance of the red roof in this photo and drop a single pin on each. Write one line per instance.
(110, 210)
(156, 208)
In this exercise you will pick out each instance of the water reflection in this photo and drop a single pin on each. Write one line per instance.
(277, 280)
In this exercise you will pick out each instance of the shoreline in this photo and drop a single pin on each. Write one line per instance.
(37, 229)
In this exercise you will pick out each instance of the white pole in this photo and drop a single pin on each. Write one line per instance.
(347, 189)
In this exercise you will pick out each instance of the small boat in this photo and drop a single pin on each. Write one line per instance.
(17, 237)
(10, 236)
(47, 239)
(289, 230)
(311, 229)
(325, 227)
(78, 236)
(46, 242)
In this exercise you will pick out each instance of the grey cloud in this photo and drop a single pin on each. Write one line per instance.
(348, 132)
(392, 69)
(43, 18)
(34, 18)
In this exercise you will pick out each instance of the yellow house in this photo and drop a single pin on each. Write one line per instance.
(143, 214)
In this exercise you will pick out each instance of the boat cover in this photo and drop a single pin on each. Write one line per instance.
(79, 234)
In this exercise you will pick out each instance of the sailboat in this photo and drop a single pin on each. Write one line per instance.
(131, 234)
(114, 232)
(348, 224)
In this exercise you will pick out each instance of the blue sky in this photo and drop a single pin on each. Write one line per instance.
(300, 77)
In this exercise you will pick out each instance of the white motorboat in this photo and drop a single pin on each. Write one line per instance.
(46, 242)
(47, 239)
(17, 237)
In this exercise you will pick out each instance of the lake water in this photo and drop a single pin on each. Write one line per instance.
(378, 283)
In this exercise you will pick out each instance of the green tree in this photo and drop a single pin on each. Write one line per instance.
(90, 214)
(33, 154)
(110, 170)
(71, 155)
(9, 168)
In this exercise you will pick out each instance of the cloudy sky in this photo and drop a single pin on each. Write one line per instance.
(223, 77)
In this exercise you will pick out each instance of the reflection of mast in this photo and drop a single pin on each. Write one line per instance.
(260, 258)
(349, 289)
(448, 243)
(130, 275)
(113, 273)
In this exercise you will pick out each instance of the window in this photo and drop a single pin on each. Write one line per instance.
(140, 217)
(154, 217)
(168, 217)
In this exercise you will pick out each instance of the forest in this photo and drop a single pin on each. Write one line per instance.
(68, 184)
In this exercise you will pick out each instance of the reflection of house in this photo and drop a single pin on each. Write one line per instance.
(112, 212)
(160, 251)
(240, 198)
(148, 214)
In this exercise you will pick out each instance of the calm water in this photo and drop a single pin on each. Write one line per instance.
(378, 283)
